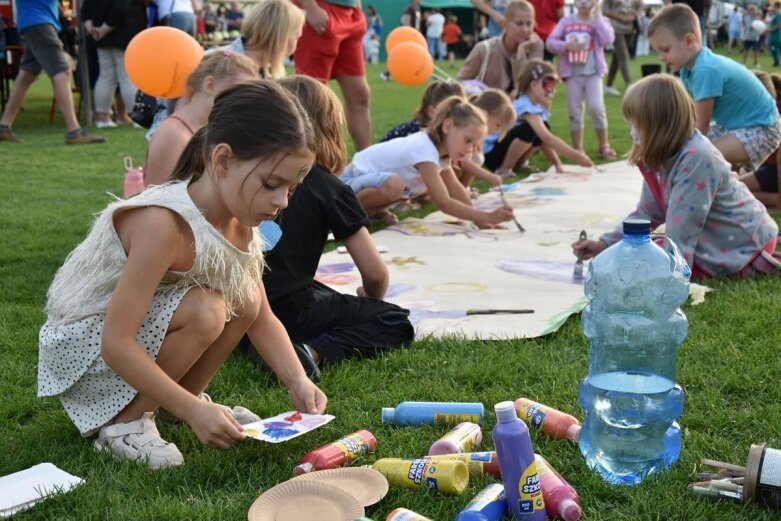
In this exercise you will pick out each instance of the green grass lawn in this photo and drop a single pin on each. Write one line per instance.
(729, 366)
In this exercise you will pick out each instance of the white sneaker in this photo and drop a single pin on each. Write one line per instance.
(239, 413)
(612, 91)
(140, 441)
(105, 124)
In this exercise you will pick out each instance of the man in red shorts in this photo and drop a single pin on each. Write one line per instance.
(331, 47)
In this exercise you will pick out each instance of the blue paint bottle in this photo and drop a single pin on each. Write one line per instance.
(488, 505)
(516, 460)
(443, 413)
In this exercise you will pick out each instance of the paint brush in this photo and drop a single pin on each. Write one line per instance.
(504, 202)
(578, 271)
(499, 311)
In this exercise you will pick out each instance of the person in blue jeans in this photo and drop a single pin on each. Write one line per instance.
(179, 14)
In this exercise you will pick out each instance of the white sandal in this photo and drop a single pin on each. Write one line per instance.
(139, 440)
(239, 413)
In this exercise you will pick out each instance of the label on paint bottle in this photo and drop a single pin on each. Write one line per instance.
(769, 487)
(534, 412)
(450, 419)
(530, 491)
(352, 447)
(485, 497)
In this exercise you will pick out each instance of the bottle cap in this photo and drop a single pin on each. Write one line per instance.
(573, 433)
(303, 468)
(505, 412)
(569, 510)
(637, 227)
(388, 414)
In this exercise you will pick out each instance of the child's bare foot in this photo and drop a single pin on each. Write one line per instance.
(385, 217)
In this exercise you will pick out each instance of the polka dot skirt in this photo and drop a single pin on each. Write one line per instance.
(70, 365)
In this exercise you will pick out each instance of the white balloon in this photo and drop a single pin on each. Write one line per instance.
(759, 26)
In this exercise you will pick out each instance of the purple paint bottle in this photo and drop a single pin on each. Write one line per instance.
(516, 460)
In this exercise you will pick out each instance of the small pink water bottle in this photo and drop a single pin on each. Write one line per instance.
(134, 179)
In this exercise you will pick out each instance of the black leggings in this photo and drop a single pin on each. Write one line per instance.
(522, 131)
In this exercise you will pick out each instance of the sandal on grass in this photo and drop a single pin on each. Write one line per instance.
(606, 152)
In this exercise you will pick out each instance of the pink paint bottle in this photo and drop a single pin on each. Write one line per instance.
(134, 179)
(339, 453)
(464, 437)
(402, 514)
(561, 500)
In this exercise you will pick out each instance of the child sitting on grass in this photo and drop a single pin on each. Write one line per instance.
(537, 83)
(746, 127)
(325, 325)
(420, 163)
(147, 308)
(718, 224)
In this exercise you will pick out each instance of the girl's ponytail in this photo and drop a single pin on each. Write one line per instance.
(191, 163)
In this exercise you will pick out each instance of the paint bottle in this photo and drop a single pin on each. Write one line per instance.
(763, 476)
(488, 505)
(339, 453)
(550, 421)
(446, 477)
(561, 500)
(478, 463)
(134, 179)
(516, 460)
(462, 438)
(443, 413)
(402, 514)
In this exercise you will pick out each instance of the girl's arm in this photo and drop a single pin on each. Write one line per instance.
(553, 157)
(455, 189)
(163, 153)
(438, 191)
(472, 169)
(374, 273)
(272, 343)
(555, 42)
(603, 29)
(155, 242)
(555, 142)
(703, 109)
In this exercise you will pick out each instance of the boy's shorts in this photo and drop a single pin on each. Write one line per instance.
(767, 178)
(336, 52)
(43, 50)
(759, 142)
(751, 45)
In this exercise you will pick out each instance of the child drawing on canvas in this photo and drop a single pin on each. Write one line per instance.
(537, 84)
(718, 224)
(419, 163)
(147, 308)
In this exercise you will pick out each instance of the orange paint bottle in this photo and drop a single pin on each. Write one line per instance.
(550, 421)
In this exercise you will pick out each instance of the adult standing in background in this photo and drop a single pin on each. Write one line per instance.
(435, 23)
(410, 17)
(39, 22)
(622, 14)
(497, 62)
(112, 24)
(331, 47)
(179, 14)
(234, 17)
(547, 14)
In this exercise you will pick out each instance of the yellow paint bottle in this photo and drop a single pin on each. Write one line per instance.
(446, 477)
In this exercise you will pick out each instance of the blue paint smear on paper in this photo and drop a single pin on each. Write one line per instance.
(280, 434)
(394, 290)
(542, 270)
(339, 267)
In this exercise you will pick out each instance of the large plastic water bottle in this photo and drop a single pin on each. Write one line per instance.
(635, 326)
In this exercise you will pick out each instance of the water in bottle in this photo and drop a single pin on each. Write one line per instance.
(635, 325)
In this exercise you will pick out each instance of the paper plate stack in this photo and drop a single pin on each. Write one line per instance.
(336, 494)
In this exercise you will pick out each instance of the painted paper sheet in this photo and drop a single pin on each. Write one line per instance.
(441, 268)
(285, 426)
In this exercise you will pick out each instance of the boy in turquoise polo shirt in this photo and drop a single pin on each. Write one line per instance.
(733, 108)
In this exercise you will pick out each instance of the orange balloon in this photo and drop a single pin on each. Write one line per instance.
(159, 60)
(410, 64)
(404, 34)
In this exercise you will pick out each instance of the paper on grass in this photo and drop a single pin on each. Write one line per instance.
(23, 489)
(285, 426)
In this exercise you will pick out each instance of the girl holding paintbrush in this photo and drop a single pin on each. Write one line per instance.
(420, 163)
